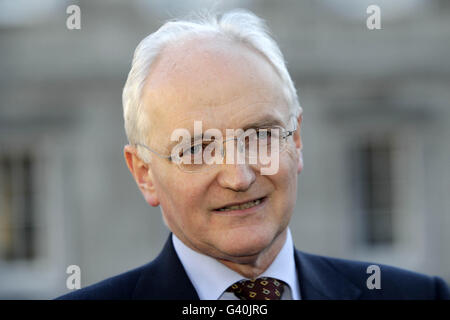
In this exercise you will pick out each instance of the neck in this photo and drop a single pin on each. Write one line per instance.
(258, 264)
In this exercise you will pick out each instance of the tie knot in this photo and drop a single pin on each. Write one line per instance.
(264, 288)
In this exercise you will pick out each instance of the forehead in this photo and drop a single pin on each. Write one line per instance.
(212, 79)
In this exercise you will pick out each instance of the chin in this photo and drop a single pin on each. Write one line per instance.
(239, 243)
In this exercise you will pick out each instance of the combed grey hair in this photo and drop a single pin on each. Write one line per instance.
(239, 25)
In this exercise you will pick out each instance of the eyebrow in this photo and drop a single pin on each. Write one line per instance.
(263, 122)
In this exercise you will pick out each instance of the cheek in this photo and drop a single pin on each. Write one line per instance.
(180, 196)
(180, 193)
(286, 181)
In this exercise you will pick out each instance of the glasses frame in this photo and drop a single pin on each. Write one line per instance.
(284, 135)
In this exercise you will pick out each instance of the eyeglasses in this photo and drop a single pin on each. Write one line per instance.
(258, 147)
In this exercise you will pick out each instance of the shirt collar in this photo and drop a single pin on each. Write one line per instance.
(211, 278)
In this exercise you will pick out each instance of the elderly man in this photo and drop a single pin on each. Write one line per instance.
(229, 219)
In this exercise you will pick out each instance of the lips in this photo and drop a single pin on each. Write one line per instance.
(240, 205)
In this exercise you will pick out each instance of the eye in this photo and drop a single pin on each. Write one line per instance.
(264, 134)
(194, 149)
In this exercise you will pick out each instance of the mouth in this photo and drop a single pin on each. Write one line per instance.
(242, 206)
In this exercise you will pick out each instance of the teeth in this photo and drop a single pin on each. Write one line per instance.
(242, 206)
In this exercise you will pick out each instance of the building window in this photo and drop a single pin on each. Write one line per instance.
(17, 216)
(375, 189)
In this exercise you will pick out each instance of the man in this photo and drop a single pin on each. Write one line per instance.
(229, 220)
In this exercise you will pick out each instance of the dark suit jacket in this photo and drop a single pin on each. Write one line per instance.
(319, 277)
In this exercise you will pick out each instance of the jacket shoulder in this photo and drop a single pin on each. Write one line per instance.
(393, 282)
(164, 278)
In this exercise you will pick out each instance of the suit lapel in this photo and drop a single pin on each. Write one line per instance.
(165, 278)
(319, 280)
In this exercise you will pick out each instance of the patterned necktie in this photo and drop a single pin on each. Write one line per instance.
(260, 289)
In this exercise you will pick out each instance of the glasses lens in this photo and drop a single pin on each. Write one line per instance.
(200, 156)
(254, 147)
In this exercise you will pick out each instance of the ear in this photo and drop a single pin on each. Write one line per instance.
(142, 175)
(298, 143)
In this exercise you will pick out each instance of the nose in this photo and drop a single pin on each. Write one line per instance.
(236, 177)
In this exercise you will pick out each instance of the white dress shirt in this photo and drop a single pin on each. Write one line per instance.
(211, 278)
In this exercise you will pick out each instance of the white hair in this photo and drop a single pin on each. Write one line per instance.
(239, 25)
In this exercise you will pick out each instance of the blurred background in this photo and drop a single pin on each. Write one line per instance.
(376, 135)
